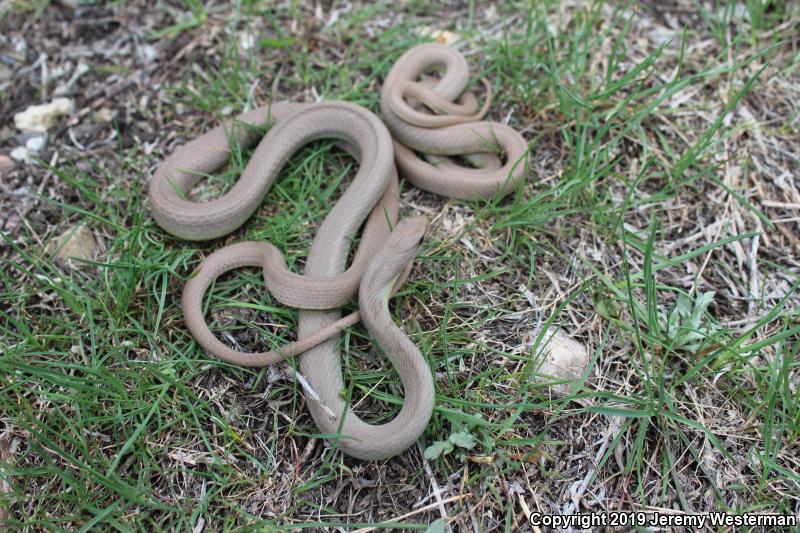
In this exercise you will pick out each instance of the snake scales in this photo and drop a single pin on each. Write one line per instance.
(436, 117)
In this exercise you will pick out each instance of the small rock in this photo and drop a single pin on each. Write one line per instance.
(42, 117)
(147, 54)
(440, 36)
(247, 41)
(36, 143)
(104, 114)
(73, 244)
(562, 357)
(20, 46)
(20, 153)
(6, 165)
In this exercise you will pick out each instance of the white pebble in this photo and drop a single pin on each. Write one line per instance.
(35, 144)
(247, 41)
(147, 54)
(20, 153)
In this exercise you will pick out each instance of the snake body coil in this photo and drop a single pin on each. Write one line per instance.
(410, 109)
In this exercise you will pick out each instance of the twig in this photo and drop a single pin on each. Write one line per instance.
(412, 513)
(437, 493)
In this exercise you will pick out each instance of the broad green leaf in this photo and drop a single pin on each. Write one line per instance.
(462, 439)
(438, 449)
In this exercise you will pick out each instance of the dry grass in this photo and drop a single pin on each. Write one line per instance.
(658, 170)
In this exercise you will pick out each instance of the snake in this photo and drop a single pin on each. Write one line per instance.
(452, 126)
(433, 131)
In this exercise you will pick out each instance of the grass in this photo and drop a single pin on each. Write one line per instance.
(641, 231)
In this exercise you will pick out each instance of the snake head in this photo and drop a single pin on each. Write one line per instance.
(404, 241)
(391, 266)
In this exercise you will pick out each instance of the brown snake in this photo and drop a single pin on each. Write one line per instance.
(433, 117)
